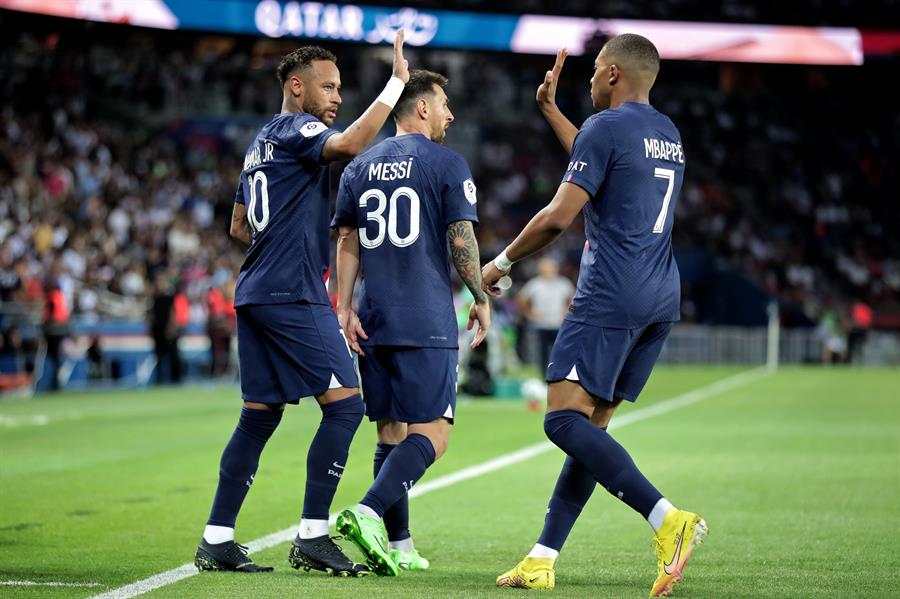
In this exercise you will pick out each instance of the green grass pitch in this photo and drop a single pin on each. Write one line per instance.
(797, 474)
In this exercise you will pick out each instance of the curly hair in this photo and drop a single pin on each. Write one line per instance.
(300, 59)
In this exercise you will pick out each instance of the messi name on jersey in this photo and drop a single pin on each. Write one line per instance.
(390, 171)
(663, 150)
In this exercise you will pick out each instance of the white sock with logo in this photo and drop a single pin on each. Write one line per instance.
(405, 545)
(367, 511)
(658, 513)
(310, 528)
(218, 534)
(543, 551)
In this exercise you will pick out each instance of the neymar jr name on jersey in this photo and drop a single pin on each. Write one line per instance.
(258, 155)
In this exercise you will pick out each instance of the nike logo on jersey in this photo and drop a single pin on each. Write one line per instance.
(336, 465)
(677, 554)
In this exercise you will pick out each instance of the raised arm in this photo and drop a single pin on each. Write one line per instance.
(546, 99)
(347, 271)
(240, 226)
(464, 252)
(354, 139)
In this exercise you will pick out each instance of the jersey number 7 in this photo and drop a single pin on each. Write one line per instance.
(664, 173)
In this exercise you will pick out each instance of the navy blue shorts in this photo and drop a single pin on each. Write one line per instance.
(409, 384)
(608, 363)
(289, 351)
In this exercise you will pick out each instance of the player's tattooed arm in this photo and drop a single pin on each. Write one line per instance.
(464, 251)
(240, 226)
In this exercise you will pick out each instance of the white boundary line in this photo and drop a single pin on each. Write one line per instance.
(685, 399)
(36, 583)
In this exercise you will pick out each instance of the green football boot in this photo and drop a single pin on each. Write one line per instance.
(370, 536)
(409, 560)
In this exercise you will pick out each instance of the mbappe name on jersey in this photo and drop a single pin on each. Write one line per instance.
(663, 150)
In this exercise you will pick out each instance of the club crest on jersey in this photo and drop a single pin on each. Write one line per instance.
(469, 190)
(312, 128)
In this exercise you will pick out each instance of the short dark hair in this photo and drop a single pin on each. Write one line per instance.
(420, 82)
(636, 50)
(300, 59)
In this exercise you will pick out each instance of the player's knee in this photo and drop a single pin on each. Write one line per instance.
(391, 432)
(557, 424)
(347, 412)
(259, 424)
(440, 446)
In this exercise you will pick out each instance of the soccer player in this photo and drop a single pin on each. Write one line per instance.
(625, 175)
(289, 342)
(399, 205)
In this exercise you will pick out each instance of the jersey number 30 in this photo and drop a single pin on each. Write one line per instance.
(376, 215)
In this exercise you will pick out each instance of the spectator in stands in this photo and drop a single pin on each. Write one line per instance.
(544, 301)
(165, 330)
(833, 328)
(861, 318)
(220, 315)
(56, 329)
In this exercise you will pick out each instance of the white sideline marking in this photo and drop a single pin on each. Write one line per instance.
(35, 583)
(15, 421)
(679, 401)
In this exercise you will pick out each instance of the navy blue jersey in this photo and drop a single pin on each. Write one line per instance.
(631, 162)
(284, 187)
(401, 194)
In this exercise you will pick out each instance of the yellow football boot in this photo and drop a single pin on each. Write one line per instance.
(675, 541)
(530, 573)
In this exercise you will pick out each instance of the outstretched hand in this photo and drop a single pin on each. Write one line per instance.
(546, 92)
(401, 65)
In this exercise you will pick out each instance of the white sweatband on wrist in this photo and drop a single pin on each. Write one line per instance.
(503, 263)
(391, 92)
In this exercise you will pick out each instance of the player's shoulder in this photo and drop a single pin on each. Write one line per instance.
(601, 121)
(441, 154)
(292, 124)
(373, 153)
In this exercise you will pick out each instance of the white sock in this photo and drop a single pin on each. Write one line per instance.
(367, 511)
(543, 551)
(310, 529)
(658, 513)
(405, 545)
(218, 534)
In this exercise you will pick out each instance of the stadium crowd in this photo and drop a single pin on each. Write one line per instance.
(126, 167)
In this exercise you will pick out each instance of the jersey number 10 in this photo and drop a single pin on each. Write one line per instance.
(258, 178)
(376, 215)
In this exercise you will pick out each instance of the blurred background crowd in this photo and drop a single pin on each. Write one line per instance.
(120, 153)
